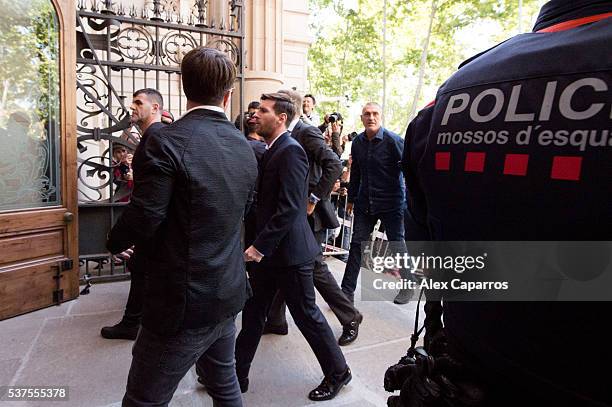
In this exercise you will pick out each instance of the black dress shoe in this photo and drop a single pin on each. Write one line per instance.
(328, 388)
(243, 383)
(350, 331)
(121, 330)
(276, 329)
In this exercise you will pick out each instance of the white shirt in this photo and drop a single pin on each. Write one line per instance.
(274, 141)
(293, 124)
(207, 107)
(313, 118)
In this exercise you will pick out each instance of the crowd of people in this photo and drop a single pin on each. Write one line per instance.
(277, 173)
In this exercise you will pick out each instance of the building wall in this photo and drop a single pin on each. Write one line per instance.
(277, 41)
(296, 41)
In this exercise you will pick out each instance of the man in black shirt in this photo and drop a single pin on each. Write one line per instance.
(147, 111)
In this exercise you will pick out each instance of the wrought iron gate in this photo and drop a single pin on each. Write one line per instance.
(121, 49)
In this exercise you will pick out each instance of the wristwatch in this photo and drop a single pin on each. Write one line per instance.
(313, 199)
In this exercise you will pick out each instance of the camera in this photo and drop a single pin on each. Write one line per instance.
(396, 375)
(124, 169)
(335, 117)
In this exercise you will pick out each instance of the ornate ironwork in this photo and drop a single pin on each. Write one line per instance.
(175, 45)
(227, 46)
(201, 6)
(121, 48)
(135, 43)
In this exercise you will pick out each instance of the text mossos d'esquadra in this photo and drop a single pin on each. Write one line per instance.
(544, 123)
(458, 264)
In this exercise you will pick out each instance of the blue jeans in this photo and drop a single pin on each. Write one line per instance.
(363, 226)
(159, 363)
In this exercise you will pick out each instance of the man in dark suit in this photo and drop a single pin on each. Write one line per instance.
(284, 251)
(324, 168)
(197, 176)
(147, 110)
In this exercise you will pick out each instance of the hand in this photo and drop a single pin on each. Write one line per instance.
(310, 207)
(128, 159)
(129, 176)
(349, 208)
(125, 255)
(327, 137)
(335, 127)
(252, 254)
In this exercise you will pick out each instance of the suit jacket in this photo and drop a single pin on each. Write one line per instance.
(250, 220)
(188, 204)
(137, 263)
(283, 234)
(324, 169)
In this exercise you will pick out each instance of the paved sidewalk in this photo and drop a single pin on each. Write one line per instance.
(62, 346)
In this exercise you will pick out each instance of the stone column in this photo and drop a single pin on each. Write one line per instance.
(264, 48)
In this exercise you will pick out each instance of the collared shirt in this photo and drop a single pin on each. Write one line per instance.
(274, 141)
(207, 107)
(376, 184)
(312, 119)
(293, 124)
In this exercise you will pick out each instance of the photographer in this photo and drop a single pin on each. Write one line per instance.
(309, 116)
(332, 131)
(122, 173)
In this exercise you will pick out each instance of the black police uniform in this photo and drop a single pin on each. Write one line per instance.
(517, 146)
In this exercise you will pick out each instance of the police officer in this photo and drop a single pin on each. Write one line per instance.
(517, 146)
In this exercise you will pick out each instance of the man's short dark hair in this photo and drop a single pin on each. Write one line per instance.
(296, 98)
(253, 105)
(153, 95)
(282, 104)
(207, 74)
(308, 95)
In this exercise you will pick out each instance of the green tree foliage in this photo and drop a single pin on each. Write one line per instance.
(346, 57)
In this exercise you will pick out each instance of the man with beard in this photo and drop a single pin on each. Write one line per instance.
(324, 168)
(284, 250)
(147, 110)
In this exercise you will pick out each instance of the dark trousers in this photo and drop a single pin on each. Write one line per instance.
(296, 284)
(159, 363)
(363, 226)
(326, 285)
(133, 308)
